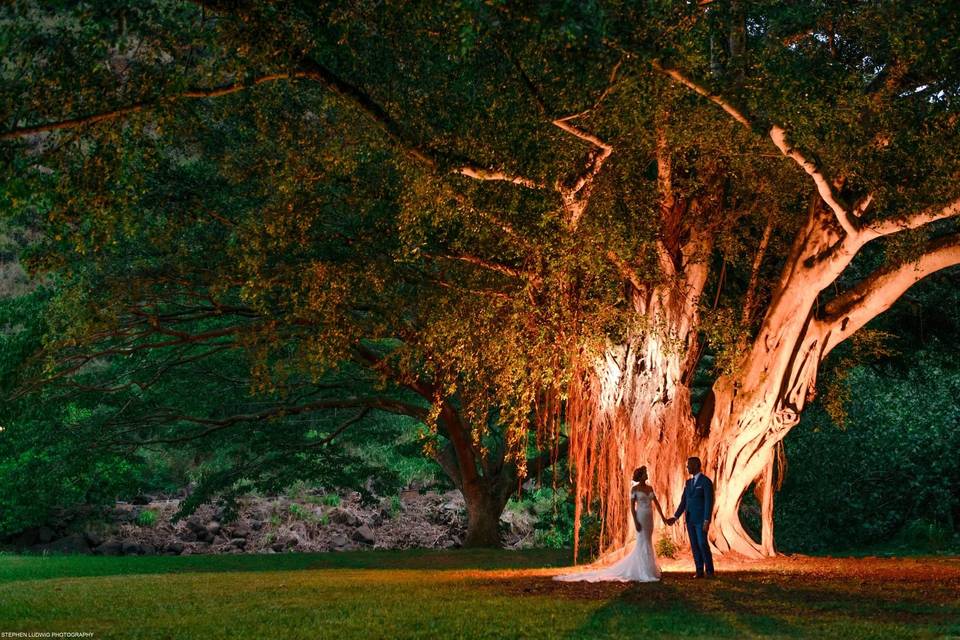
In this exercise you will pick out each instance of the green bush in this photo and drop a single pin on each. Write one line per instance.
(396, 506)
(331, 500)
(299, 513)
(894, 459)
(147, 518)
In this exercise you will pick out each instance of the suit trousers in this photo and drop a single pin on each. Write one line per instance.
(700, 547)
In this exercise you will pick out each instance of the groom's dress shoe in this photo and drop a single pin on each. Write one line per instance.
(697, 576)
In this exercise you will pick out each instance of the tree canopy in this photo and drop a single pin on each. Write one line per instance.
(518, 218)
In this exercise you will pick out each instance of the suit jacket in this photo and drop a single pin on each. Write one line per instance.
(697, 500)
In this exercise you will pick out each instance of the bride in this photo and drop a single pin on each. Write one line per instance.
(641, 564)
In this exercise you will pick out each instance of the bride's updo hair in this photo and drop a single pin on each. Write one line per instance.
(639, 473)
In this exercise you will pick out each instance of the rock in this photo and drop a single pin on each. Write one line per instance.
(256, 525)
(141, 499)
(342, 516)
(27, 537)
(364, 534)
(238, 542)
(74, 543)
(45, 534)
(131, 548)
(277, 547)
(148, 549)
(240, 531)
(188, 536)
(213, 527)
(176, 547)
(340, 540)
(195, 526)
(110, 548)
(93, 539)
(448, 544)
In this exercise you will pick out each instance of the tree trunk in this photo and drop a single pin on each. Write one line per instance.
(484, 507)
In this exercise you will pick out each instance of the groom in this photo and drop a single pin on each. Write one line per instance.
(697, 501)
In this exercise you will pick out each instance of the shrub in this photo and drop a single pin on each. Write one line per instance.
(298, 512)
(666, 547)
(396, 506)
(331, 500)
(147, 518)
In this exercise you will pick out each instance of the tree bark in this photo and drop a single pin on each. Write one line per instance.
(485, 504)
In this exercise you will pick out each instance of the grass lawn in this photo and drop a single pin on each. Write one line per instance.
(470, 594)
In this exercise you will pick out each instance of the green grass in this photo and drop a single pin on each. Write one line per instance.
(461, 594)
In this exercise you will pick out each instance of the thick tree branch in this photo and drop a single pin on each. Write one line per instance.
(779, 137)
(575, 193)
(854, 308)
(913, 221)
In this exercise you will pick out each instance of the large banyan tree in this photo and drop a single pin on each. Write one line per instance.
(601, 204)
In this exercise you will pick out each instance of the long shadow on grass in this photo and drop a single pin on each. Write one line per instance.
(36, 567)
(753, 603)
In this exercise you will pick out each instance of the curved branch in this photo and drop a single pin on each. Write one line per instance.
(779, 137)
(913, 221)
(854, 308)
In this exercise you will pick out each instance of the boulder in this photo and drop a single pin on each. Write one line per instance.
(93, 539)
(195, 526)
(148, 549)
(131, 548)
(176, 547)
(342, 516)
(188, 535)
(277, 547)
(45, 534)
(27, 537)
(238, 542)
(240, 531)
(109, 548)
(340, 540)
(74, 543)
(364, 535)
(141, 499)
(213, 527)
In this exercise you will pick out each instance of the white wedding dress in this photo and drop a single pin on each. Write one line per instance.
(640, 565)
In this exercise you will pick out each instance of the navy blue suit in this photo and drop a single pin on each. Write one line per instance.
(697, 502)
